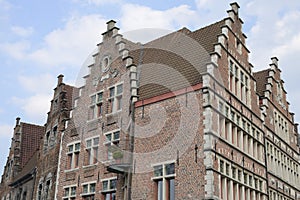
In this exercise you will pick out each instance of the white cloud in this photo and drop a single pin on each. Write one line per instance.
(16, 50)
(6, 131)
(32, 84)
(145, 17)
(71, 44)
(68, 46)
(35, 107)
(22, 31)
(98, 2)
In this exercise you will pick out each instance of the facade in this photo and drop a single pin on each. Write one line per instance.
(20, 171)
(46, 173)
(181, 117)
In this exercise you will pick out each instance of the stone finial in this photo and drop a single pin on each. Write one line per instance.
(235, 7)
(275, 61)
(60, 79)
(110, 24)
(18, 121)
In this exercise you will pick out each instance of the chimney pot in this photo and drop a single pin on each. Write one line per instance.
(60, 79)
(18, 121)
(110, 25)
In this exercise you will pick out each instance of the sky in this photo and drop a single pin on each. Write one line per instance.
(41, 39)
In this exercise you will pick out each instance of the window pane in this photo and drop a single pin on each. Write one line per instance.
(108, 138)
(112, 92)
(117, 135)
(113, 184)
(158, 171)
(105, 185)
(99, 97)
(93, 99)
(171, 189)
(119, 89)
(96, 141)
(85, 189)
(170, 169)
(88, 143)
(73, 191)
(70, 149)
(77, 147)
(66, 192)
(92, 187)
(160, 190)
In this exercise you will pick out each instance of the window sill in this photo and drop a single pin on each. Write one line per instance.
(90, 166)
(71, 170)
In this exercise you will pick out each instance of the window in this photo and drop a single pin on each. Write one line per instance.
(40, 190)
(92, 150)
(109, 188)
(69, 193)
(164, 177)
(112, 142)
(73, 155)
(115, 98)
(96, 106)
(88, 191)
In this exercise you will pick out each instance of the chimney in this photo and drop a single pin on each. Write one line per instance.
(235, 7)
(110, 25)
(18, 121)
(60, 79)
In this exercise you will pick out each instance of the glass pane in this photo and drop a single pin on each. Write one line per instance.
(158, 171)
(96, 141)
(85, 189)
(70, 149)
(77, 146)
(113, 196)
(119, 89)
(66, 192)
(170, 169)
(92, 187)
(117, 135)
(93, 99)
(73, 191)
(172, 189)
(113, 184)
(105, 185)
(99, 96)
(160, 190)
(108, 138)
(112, 92)
(88, 143)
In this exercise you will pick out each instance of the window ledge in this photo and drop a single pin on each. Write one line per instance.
(71, 170)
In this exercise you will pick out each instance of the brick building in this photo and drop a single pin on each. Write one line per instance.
(181, 117)
(20, 170)
(46, 173)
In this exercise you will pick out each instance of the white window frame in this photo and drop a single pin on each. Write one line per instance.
(92, 150)
(164, 177)
(69, 196)
(89, 188)
(94, 105)
(109, 180)
(73, 152)
(115, 98)
(112, 142)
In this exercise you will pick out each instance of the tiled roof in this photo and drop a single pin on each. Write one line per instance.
(174, 61)
(208, 36)
(30, 141)
(261, 80)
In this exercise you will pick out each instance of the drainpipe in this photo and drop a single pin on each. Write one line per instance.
(58, 168)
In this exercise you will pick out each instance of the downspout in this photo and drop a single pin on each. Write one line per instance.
(58, 168)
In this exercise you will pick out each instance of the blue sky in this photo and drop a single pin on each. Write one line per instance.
(42, 39)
